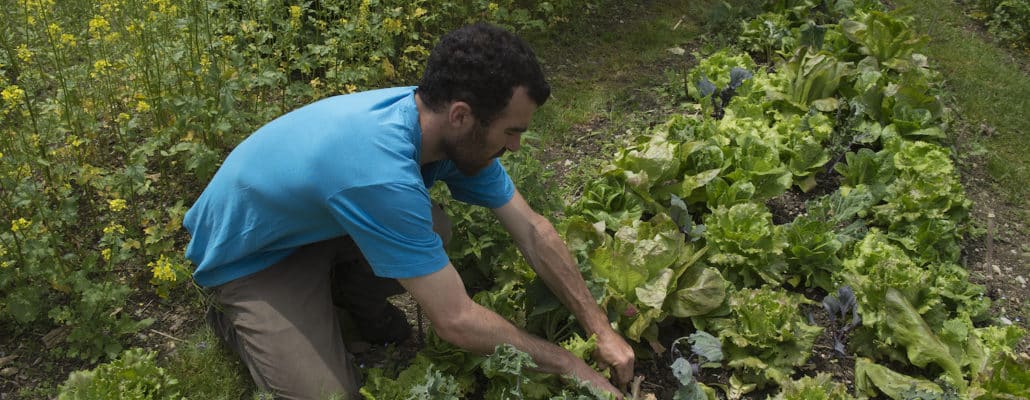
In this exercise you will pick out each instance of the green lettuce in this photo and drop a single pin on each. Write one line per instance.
(819, 387)
(811, 252)
(757, 160)
(745, 244)
(808, 79)
(925, 206)
(800, 139)
(765, 336)
(422, 380)
(871, 377)
(884, 37)
(716, 69)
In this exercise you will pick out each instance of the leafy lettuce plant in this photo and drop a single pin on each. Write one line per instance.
(767, 34)
(874, 170)
(925, 207)
(801, 143)
(134, 375)
(819, 387)
(808, 79)
(811, 252)
(422, 380)
(757, 160)
(609, 200)
(765, 335)
(716, 69)
(912, 315)
(885, 37)
(745, 244)
(871, 378)
(642, 264)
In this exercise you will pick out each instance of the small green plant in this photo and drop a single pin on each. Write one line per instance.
(132, 376)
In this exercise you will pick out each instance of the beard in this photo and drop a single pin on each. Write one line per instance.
(466, 152)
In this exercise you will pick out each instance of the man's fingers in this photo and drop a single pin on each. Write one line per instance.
(624, 372)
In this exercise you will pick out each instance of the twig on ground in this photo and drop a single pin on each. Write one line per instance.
(167, 336)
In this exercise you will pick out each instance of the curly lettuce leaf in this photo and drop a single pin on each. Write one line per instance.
(743, 241)
(765, 335)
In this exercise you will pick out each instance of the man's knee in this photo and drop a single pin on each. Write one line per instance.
(442, 223)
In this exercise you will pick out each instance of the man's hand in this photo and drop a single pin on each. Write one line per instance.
(584, 373)
(613, 351)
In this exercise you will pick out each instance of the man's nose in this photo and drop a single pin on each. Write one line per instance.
(514, 142)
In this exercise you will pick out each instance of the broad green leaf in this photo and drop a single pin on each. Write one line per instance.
(922, 345)
(638, 253)
(654, 292)
(871, 377)
(698, 295)
(707, 346)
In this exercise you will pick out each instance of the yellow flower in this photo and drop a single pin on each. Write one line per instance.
(98, 26)
(74, 141)
(116, 205)
(350, 88)
(163, 269)
(122, 117)
(12, 94)
(68, 40)
(492, 7)
(100, 66)
(114, 228)
(142, 106)
(19, 224)
(393, 25)
(106, 253)
(295, 13)
(53, 30)
(24, 54)
(419, 11)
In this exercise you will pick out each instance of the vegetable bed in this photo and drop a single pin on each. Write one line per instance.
(678, 242)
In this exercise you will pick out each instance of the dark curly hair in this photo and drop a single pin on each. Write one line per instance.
(481, 65)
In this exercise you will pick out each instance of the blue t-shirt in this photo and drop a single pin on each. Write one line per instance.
(345, 165)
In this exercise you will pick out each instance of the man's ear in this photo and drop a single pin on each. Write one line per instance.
(459, 115)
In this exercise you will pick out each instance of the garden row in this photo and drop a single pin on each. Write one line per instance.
(676, 233)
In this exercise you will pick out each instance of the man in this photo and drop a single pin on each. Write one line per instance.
(339, 188)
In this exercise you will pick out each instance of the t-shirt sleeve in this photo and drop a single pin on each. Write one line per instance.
(490, 188)
(392, 224)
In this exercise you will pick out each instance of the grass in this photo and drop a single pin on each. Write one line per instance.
(987, 86)
(207, 370)
(604, 71)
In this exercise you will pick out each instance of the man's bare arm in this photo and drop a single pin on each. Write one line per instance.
(550, 258)
(462, 322)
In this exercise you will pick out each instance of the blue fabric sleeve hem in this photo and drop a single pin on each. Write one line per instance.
(411, 271)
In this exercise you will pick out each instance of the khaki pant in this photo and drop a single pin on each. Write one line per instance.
(282, 321)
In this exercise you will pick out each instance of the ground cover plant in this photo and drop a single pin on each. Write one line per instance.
(676, 235)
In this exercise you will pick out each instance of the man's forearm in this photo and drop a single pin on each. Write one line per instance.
(480, 330)
(551, 260)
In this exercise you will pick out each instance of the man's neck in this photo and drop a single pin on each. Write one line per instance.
(432, 125)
